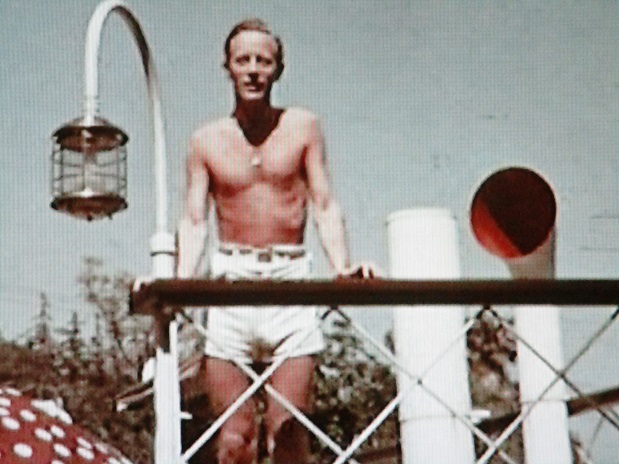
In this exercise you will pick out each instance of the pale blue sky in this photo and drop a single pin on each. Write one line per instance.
(420, 102)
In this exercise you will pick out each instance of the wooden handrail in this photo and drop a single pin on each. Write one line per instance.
(154, 296)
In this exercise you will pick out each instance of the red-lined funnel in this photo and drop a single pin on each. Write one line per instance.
(513, 216)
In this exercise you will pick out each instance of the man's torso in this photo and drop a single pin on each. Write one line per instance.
(260, 191)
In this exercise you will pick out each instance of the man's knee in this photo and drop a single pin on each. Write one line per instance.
(237, 442)
(236, 448)
(289, 442)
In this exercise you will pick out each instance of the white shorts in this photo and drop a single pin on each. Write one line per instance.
(262, 333)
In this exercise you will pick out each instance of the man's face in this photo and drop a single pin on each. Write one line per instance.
(253, 66)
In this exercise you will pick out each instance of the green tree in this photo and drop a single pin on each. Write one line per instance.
(123, 340)
(115, 353)
(70, 351)
(42, 339)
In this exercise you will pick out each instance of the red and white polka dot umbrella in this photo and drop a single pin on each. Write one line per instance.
(38, 431)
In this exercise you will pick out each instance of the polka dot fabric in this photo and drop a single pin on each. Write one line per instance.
(29, 433)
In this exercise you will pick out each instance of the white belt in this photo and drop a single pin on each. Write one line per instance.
(264, 255)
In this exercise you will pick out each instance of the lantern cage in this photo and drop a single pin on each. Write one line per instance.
(89, 169)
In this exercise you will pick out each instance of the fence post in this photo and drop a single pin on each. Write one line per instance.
(423, 245)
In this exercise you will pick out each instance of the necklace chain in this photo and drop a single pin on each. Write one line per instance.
(256, 156)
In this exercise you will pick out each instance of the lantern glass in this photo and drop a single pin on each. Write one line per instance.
(89, 169)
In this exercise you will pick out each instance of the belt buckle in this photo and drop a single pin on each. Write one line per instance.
(264, 256)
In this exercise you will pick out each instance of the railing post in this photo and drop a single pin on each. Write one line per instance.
(423, 245)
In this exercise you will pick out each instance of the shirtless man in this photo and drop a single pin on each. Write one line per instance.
(260, 169)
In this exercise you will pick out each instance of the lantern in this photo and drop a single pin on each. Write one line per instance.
(89, 168)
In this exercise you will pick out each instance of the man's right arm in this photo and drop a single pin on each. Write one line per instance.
(192, 230)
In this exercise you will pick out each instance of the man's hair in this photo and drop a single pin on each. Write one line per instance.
(255, 24)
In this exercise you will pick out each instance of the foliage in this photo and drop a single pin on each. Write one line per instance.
(491, 354)
(125, 340)
(352, 388)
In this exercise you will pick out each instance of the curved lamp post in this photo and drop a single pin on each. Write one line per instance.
(89, 181)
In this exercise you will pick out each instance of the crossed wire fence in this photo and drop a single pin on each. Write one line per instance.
(607, 415)
(493, 444)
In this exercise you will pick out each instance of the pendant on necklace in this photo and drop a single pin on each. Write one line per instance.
(256, 161)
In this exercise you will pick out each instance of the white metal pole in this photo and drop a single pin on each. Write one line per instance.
(423, 245)
(545, 429)
(91, 92)
(166, 382)
(546, 432)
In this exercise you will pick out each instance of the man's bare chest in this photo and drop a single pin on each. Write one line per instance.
(236, 162)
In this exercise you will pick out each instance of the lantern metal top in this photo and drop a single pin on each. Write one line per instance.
(89, 135)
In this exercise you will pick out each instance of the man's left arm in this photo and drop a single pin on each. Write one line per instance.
(328, 215)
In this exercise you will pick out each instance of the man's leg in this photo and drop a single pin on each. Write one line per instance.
(237, 440)
(288, 440)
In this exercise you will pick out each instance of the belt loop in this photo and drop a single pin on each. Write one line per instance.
(226, 251)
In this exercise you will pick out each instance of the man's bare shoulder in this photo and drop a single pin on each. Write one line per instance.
(299, 115)
(303, 121)
(209, 131)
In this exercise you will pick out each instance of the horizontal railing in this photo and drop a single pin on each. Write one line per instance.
(151, 297)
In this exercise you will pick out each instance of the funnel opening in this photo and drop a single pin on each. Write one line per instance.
(513, 212)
